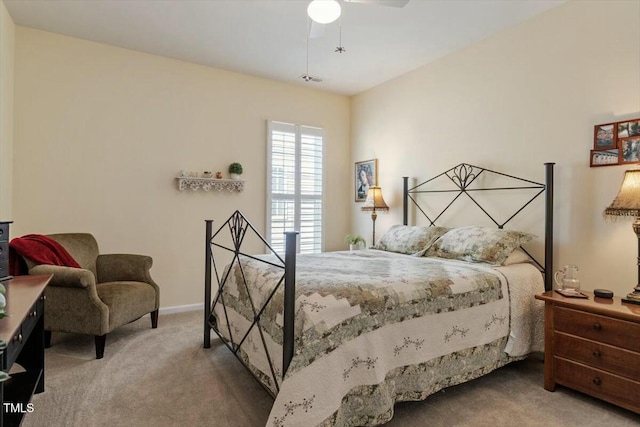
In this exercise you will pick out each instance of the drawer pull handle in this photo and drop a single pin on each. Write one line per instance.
(18, 338)
(597, 326)
(34, 313)
(596, 353)
(597, 381)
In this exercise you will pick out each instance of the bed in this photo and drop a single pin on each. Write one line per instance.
(337, 338)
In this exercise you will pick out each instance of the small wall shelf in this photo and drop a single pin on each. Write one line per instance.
(206, 184)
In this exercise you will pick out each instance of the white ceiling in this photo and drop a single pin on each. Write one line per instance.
(268, 37)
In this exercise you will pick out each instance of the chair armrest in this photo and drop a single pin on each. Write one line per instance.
(124, 267)
(66, 277)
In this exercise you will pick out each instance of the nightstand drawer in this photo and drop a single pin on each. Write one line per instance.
(17, 341)
(595, 382)
(29, 323)
(14, 347)
(4, 251)
(4, 268)
(598, 355)
(4, 232)
(598, 328)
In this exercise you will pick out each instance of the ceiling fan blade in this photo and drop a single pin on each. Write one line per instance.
(316, 30)
(392, 3)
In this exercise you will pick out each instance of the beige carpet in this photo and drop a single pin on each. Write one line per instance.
(164, 377)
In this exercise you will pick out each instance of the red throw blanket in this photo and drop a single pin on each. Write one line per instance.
(39, 249)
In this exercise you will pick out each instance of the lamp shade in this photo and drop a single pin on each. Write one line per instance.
(374, 201)
(324, 11)
(627, 202)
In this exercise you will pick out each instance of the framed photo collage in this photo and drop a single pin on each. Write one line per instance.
(616, 143)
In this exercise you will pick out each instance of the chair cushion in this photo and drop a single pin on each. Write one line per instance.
(127, 301)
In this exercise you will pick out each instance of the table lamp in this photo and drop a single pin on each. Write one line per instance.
(375, 202)
(627, 203)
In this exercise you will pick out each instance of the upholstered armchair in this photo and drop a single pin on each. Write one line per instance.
(107, 292)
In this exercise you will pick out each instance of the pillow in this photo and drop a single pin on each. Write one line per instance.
(516, 257)
(410, 240)
(478, 244)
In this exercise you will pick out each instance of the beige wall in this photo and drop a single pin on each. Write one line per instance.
(528, 95)
(101, 132)
(7, 43)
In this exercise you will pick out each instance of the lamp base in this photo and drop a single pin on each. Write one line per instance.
(633, 297)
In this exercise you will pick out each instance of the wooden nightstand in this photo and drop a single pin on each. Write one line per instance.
(593, 346)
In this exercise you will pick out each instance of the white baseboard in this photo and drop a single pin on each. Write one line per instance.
(181, 308)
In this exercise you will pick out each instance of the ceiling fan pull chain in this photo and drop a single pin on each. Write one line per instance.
(308, 25)
(340, 48)
(306, 77)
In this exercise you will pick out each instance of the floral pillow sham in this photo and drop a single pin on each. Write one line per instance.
(478, 244)
(410, 240)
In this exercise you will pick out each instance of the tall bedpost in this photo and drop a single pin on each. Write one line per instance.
(405, 200)
(548, 228)
(207, 283)
(289, 298)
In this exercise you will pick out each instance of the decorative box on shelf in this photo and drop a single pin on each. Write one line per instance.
(206, 184)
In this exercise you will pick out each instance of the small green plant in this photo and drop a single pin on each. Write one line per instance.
(352, 239)
(235, 168)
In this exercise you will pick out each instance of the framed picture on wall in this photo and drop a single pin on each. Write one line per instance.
(617, 139)
(629, 150)
(604, 157)
(366, 175)
(604, 136)
(630, 128)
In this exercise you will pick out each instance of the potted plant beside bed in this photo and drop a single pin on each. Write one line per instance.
(235, 170)
(354, 241)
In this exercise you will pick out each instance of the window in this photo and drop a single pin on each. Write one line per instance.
(294, 185)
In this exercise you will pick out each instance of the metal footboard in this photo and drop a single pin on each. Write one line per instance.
(236, 229)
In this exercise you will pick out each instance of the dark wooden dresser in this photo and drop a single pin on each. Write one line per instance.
(23, 331)
(4, 250)
(593, 346)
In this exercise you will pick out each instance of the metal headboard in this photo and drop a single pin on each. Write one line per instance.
(463, 176)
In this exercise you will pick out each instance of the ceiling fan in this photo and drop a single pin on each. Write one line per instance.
(323, 12)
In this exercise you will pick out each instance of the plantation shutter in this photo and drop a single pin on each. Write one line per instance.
(294, 185)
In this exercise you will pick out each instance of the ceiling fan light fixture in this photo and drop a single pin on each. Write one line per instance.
(324, 11)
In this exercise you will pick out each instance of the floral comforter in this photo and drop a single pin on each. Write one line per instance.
(374, 328)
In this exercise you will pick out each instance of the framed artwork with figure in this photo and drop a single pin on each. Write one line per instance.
(366, 175)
